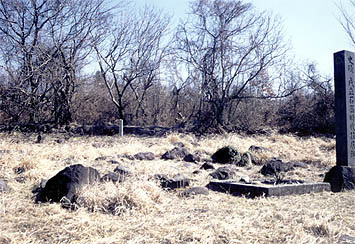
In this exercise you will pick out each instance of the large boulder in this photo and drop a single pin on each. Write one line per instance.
(175, 153)
(226, 155)
(67, 182)
(224, 173)
(274, 167)
(341, 178)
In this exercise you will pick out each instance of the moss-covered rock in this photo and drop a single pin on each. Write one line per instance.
(226, 155)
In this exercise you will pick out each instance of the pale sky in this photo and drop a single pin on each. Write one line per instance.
(310, 25)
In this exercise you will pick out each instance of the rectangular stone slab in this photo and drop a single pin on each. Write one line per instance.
(253, 190)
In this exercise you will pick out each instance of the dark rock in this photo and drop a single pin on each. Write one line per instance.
(196, 172)
(3, 186)
(298, 164)
(129, 157)
(245, 160)
(101, 158)
(113, 161)
(21, 179)
(195, 191)
(341, 178)
(67, 182)
(207, 165)
(19, 170)
(149, 156)
(60, 141)
(39, 138)
(224, 173)
(175, 153)
(254, 148)
(177, 181)
(114, 177)
(226, 155)
(4, 151)
(122, 171)
(275, 166)
(193, 158)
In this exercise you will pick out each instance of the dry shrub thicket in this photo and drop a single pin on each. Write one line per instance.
(84, 62)
(140, 211)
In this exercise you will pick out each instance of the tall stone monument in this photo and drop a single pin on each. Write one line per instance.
(342, 176)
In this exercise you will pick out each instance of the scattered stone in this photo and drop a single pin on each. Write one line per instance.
(113, 161)
(195, 191)
(111, 176)
(149, 156)
(101, 158)
(341, 178)
(3, 186)
(175, 153)
(254, 148)
(60, 141)
(39, 138)
(129, 157)
(20, 179)
(275, 166)
(207, 166)
(67, 182)
(19, 170)
(4, 151)
(193, 158)
(226, 155)
(245, 160)
(298, 165)
(224, 173)
(178, 181)
(122, 171)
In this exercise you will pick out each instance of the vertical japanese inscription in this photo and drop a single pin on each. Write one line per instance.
(345, 107)
(350, 81)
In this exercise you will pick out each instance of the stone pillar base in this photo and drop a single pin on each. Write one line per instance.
(341, 178)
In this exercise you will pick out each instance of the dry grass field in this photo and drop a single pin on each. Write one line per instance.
(140, 211)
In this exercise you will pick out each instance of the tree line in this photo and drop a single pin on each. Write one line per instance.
(226, 67)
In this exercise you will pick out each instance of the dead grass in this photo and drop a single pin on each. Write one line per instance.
(139, 211)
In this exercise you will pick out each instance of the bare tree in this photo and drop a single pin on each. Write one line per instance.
(45, 44)
(131, 56)
(347, 19)
(227, 46)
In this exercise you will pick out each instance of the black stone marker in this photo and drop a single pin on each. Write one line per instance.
(342, 177)
(344, 80)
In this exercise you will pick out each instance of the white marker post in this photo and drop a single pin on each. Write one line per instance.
(121, 127)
